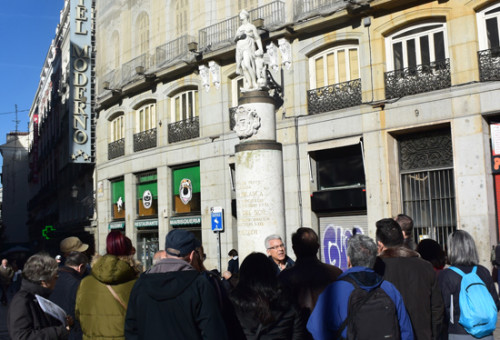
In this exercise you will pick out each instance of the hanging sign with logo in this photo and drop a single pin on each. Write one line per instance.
(147, 199)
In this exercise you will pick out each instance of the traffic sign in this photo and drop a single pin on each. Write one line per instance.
(217, 219)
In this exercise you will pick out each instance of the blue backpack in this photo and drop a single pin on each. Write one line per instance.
(478, 312)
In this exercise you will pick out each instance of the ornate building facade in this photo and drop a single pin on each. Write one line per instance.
(61, 140)
(383, 107)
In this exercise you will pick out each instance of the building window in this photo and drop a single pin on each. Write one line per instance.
(145, 127)
(117, 130)
(334, 80)
(417, 45)
(340, 179)
(116, 146)
(418, 60)
(118, 199)
(333, 66)
(186, 190)
(116, 50)
(184, 106)
(184, 120)
(181, 17)
(147, 195)
(489, 43)
(427, 183)
(489, 28)
(143, 33)
(146, 117)
(246, 4)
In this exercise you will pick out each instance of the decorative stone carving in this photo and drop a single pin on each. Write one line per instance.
(247, 122)
(286, 52)
(215, 72)
(272, 52)
(205, 77)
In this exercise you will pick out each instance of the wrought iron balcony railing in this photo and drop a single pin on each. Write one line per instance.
(184, 130)
(304, 9)
(116, 149)
(420, 79)
(334, 97)
(128, 69)
(232, 118)
(145, 140)
(489, 64)
(172, 50)
(222, 33)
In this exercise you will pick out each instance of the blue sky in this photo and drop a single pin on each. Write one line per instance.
(27, 28)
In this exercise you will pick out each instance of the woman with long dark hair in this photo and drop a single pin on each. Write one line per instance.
(262, 304)
(462, 254)
(101, 301)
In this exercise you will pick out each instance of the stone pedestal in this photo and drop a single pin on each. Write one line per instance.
(259, 173)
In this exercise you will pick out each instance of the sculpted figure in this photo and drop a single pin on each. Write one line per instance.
(248, 50)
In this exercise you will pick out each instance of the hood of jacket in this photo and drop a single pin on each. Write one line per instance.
(35, 288)
(109, 269)
(398, 252)
(168, 279)
(365, 277)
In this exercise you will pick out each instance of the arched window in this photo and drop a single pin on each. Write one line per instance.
(333, 66)
(116, 129)
(116, 50)
(417, 45)
(181, 17)
(143, 33)
(116, 145)
(146, 117)
(184, 105)
(488, 22)
(489, 27)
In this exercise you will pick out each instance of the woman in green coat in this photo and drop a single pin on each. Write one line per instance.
(103, 296)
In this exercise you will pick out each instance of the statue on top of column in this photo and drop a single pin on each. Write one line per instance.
(249, 55)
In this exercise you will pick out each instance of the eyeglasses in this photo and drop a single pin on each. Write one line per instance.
(281, 246)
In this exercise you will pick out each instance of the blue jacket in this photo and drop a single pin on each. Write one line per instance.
(331, 308)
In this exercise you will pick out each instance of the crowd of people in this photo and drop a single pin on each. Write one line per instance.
(393, 288)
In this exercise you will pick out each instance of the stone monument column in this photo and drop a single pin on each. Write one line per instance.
(259, 173)
(259, 160)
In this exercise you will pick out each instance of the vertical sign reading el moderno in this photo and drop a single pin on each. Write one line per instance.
(80, 81)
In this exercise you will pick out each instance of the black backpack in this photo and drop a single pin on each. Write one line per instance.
(371, 315)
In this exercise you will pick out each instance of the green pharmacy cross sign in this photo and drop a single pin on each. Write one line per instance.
(46, 230)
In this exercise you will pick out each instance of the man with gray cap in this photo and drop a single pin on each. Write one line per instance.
(173, 300)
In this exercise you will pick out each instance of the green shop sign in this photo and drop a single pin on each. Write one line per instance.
(116, 225)
(145, 223)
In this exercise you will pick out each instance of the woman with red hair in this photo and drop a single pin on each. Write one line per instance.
(102, 298)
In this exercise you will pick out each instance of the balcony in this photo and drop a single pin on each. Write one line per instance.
(334, 97)
(222, 34)
(420, 79)
(305, 9)
(172, 50)
(184, 130)
(232, 117)
(128, 69)
(116, 149)
(113, 77)
(489, 64)
(145, 140)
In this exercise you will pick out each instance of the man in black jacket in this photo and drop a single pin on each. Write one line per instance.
(413, 277)
(64, 293)
(172, 300)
